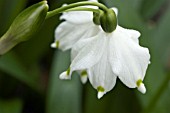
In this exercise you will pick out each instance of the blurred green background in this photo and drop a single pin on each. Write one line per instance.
(29, 72)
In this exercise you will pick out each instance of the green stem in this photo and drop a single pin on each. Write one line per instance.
(83, 9)
(158, 94)
(73, 5)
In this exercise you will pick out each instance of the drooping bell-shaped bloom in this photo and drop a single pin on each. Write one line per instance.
(107, 56)
(77, 25)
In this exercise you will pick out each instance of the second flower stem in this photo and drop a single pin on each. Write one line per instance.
(73, 5)
(83, 9)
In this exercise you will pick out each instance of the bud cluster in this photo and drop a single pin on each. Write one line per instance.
(107, 20)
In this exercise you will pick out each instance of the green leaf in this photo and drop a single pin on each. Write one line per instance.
(157, 74)
(64, 96)
(11, 106)
(119, 100)
(161, 34)
(10, 64)
(150, 7)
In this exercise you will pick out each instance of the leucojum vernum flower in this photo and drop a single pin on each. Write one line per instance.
(101, 50)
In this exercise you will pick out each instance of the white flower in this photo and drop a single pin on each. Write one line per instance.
(107, 56)
(77, 25)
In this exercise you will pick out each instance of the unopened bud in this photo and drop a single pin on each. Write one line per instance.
(24, 26)
(96, 17)
(108, 21)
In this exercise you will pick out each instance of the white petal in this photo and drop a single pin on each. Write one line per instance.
(53, 45)
(83, 79)
(101, 74)
(90, 54)
(64, 75)
(78, 46)
(68, 34)
(83, 76)
(129, 33)
(128, 59)
(77, 17)
(84, 40)
(93, 0)
(142, 88)
(100, 94)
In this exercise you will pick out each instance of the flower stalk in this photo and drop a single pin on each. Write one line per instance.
(84, 9)
(73, 5)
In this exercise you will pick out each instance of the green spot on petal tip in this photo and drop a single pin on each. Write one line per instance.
(100, 89)
(84, 73)
(138, 82)
(57, 44)
(68, 71)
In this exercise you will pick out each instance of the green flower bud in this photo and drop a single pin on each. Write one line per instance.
(96, 17)
(108, 21)
(24, 26)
